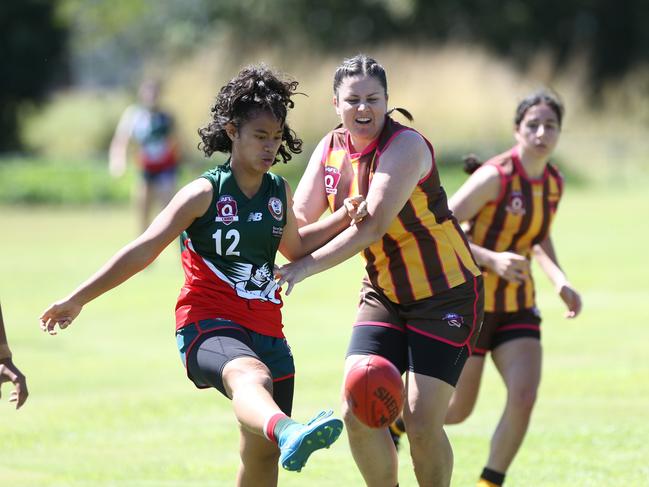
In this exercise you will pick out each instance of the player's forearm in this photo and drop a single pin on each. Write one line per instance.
(124, 264)
(483, 256)
(345, 245)
(547, 260)
(317, 234)
(5, 352)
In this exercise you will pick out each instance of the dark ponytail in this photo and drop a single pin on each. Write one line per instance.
(403, 112)
(471, 163)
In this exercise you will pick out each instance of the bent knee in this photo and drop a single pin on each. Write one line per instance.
(522, 398)
(243, 372)
(353, 425)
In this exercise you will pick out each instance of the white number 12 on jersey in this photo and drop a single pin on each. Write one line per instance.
(232, 235)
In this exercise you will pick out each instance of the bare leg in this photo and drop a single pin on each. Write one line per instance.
(165, 190)
(249, 384)
(424, 414)
(258, 461)
(372, 449)
(519, 364)
(466, 391)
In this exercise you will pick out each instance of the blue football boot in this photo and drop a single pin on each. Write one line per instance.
(298, 441)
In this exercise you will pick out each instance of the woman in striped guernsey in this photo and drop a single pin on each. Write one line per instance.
(509, 204)
(421, 300)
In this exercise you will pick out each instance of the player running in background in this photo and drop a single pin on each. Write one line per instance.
(9, 372)
(233, 220)
(421, 300)
(509, 203)
(152, 129)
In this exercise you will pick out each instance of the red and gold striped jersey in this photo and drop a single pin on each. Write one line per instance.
(424, 251)
(517, 220)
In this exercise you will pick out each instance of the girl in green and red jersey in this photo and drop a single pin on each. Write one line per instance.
(228, 321)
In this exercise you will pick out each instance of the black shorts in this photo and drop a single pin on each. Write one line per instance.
(499, 327)
(432, 336)
(207, 346)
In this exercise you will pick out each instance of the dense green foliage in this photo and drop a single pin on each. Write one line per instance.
(30, 59)
(611, 34)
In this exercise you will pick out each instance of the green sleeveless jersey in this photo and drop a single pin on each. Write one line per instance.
(228, 255)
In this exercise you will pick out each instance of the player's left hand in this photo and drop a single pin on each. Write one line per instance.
(10, 373)
(292, 273)
(572, 299)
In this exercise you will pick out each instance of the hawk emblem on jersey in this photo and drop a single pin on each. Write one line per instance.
(331, 179)
(226, 208)
(516, 203)
(259, 285)
(276, 208)
(454, 319)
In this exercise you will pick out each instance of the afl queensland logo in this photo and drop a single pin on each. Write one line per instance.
(276, 208)
(226, 208)
(516, 203)
(331, 179)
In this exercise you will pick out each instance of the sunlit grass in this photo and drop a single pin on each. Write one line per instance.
(110, 404)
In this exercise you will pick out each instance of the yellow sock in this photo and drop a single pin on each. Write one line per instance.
(486, 483)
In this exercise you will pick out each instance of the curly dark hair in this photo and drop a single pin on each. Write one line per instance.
(255, 89)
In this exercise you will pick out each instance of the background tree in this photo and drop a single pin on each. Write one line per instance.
(31, 58)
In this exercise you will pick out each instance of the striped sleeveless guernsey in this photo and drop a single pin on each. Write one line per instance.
(228, 256)
(424, 252)
(516, 221)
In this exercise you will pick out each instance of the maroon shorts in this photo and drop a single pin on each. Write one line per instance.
(500, 327)
(432, 336)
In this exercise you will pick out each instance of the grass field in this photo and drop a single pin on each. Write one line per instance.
(110, 405)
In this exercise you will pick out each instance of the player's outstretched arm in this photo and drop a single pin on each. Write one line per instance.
(546, 256)
(298, 242)
(483, 187)
(391, 188)
(310, 200)
(117, 152)
(189, 203)
(9, 372)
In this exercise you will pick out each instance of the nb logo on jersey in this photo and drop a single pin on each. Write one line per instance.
(254, 217)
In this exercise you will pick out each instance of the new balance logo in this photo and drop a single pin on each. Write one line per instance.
(254, 217)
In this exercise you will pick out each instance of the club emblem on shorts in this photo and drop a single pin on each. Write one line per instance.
(454, 319)
(516, 203)
(226, 208)
(331, 179)
(276, 208)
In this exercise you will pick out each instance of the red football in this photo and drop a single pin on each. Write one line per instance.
(374, 391)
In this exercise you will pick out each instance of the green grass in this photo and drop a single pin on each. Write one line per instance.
(110, 404)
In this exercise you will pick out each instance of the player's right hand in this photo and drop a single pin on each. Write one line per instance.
(356, 207)
(10, 373)
(61, 313)
(510, 266)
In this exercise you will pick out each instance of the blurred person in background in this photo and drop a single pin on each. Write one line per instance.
(421, 300)
(232, 221)
(508, 205)
(152, 129)
(9, 372)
